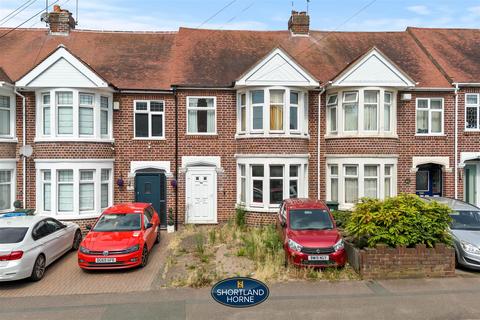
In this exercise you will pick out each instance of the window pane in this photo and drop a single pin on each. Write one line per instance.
(5, 196)
(86, 175)
(192, 121)
(104, 102)
(86, 196)
(293, 189)
(243, 118)
(65, 120)
(141, 106)
(332, 100)
(65, 197)
(242, 189)
(65, 175)
(276, 117)
(257, 191)
(201, 120)
(350, 97)
(86, 99)
(243, 99)
(371, 171)
(157, 125)
(386, 117)
(422, 121)
(351, 117)
(105, 174)
(64, 98)
(104, 196)
(370, 188)
(156, 106)
(47, 175)
(388, 170)
(471, 118)
(332, 119)
(387, 97)
(472, 99)
(294, 170)
(351, 170)
(370, 117)
(242, 170)
(276, 171)
(351, 190)
(334, 170)
(5, 102)
(104, 122)
(293, 118)
(46, 121)
(293, 97)
(276, 96)
(47, 197)
(257, 118)
(436, 122)
(276, 191)
(4, 122)
(210, 121)
(257, 97)
(436, 104)
(422, 103)
(334, 189)
(257, 171)
(388, 188)
(141, 125)
(371, 97)
(86, 121)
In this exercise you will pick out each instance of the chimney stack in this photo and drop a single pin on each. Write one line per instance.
(60, 21)
(299, 23)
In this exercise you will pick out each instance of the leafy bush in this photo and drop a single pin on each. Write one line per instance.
(341, 218)
(171, 217)
(240, 216)
(405, 220)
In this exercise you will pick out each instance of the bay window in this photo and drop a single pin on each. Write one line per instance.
(7, 116)
(363, 112)
(263, 183)
(201, 115)
(472, 111)
(349, 179)
(273, 111)
(74, 189)
(71, 115)
(429, 116)
(6, 190)
(149, 119)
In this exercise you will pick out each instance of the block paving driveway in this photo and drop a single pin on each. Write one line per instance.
(64, 277)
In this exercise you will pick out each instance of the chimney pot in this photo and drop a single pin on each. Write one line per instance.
(60, 21)
(299, 23)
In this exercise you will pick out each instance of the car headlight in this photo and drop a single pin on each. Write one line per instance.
(84, 250)
(132, 249)
(339, 245)
(294, 246)
(470, 248)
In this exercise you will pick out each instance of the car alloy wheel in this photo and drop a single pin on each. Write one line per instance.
(144, 256)
(77, 240)
(38, 268)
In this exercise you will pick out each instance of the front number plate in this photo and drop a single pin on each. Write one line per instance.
(105, 260)
(318, 258)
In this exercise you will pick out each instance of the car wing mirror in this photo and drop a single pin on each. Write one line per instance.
(149, 225)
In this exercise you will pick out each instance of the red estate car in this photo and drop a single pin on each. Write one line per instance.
(122, 237)
(309, 234)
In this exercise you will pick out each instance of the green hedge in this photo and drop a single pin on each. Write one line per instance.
(405, 220)
(341, 218)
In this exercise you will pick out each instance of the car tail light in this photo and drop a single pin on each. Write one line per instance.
(14, 255)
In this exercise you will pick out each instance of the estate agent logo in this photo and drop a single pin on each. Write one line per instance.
(240, 292)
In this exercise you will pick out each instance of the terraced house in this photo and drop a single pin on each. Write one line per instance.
(203, 120)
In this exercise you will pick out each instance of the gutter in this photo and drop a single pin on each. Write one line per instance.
(322, 91)
(24, 142)
(455, 167)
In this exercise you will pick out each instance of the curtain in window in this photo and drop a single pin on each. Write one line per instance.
(46, 120)
(243, 118)
(370, 117)
(422, 121)
(65, 190)
(104, 122)
(47, 197)
(65, 120)
(86, 121)
(436, 122)
(386, 117)
(86, 196)
(388, 187)
(351, 116)
(276, 110)
(5, 194)
(192, 121)
(334, 189)
(351, 190)
(210, 121)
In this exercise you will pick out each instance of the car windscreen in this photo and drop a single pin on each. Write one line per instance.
(12, 235)
(465, 220)
(310, 219)
(119, 222)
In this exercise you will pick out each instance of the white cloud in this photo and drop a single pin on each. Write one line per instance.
(474, 10)
(421, 10)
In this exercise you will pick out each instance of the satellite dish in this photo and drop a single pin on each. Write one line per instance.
(26, 151)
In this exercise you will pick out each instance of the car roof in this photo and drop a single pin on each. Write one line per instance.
(132, 207)
(22, 221)
(454, 204)
(304, 203)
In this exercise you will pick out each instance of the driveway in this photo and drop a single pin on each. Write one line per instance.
(64, 277)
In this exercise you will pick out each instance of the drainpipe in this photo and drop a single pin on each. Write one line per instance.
(24, 142)
(176, 156)
(455, 167)
(318, 139)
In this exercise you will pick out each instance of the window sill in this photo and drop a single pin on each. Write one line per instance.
(261, 209)
(430, 135)
(271, 136)
(361, 136)
(92, 140)
(149, 139)
(67, 217)
(8, 140)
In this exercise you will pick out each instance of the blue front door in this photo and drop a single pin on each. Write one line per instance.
(151, 188)
(429, 180)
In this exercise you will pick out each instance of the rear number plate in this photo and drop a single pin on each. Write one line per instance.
(318, 258)
(105, 260)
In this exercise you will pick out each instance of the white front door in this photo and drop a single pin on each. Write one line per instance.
(201, 194)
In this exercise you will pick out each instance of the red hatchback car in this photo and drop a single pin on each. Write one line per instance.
(122, 237)
(309, 234)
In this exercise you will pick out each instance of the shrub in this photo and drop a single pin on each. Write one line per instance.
(341, 218)
(171, 217)
(240, 216)
(405, 220)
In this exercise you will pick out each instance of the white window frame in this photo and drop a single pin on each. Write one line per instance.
(149, 114)
(75, 114)
(87, 181)
(76, 165)
(11, 166)
(242, 116)
(377, 113)
(243, 180)
(45, 182)
(86, 106)
(293, 178)
(43, 118)
(344, 160)
(331, 177)
(302, 114)
(11, 137)
(381, 132)
(103, 109)
(281, 160)
(330, 106)
(430, 111)
(75, 136)
(477, 107)
(289, 110)
(107, 182)
(376, 178)
(214, 108)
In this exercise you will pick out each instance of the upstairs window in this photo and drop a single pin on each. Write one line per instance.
(104, 115)
(370, 110)
(257, 109)
(149, 119)
(85, 121)
(350, 111)
(46, 117)
(429, 116)
(276, 110)
(5, 116)
(64, 113)
(332, 112)
(472, 109)
(201, 115)
(294, 100)
(243, 112)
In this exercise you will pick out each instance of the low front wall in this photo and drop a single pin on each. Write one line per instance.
(384, 262)
(260, 218)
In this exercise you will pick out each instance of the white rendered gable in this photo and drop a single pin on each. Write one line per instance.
(373, 69)
(277, 69)
(62, 69)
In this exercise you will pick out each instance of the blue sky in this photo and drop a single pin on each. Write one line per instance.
(258, 15)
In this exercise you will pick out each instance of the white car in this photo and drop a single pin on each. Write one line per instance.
(29, 244)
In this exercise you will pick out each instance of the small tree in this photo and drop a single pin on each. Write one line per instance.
(240, 216)
(405, 220)
(171, 217)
